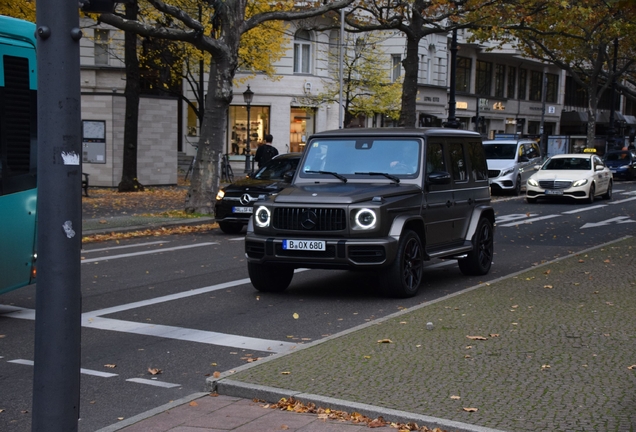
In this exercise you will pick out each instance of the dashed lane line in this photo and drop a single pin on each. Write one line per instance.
(82, 370)
(125, 246)
(153, 382)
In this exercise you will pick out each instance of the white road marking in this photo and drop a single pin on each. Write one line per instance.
(186, 334)
(623, 200)
(82, 370)
(617, 220)
(153, 382)
(513, 217)
(585, 209)
(125, 246)
(527, 221)
(237, 239)
(155, 251)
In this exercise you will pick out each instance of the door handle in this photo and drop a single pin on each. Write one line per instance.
(449, 203)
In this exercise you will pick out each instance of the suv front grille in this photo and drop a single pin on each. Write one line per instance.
(310, 219)
(555, 184)
(493, 173)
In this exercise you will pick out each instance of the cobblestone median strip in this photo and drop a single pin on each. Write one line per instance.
(551, 348)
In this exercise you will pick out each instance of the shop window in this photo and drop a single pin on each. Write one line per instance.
(552, 88)
(512, 80)
(523, 78)
(536, 84)
(239, 130)
(462, 77)
(500, 80)
(300, 127)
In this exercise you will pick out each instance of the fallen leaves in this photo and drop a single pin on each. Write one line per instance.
(471, 409)
(383, 341)
(477, 338)
(216, 374)
(325, 414)
(632, 367)
(156, 232)
(154, 371)
(111, 366)
(295, 315)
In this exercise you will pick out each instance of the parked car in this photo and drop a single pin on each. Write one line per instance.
(235, 202)
(578, 176)
(511, 163)
(622, 163)
(377, 200)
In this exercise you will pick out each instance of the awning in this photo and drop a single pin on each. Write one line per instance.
(573, 117)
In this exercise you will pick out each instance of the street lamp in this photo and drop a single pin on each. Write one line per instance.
(452, 120)
(248, 95)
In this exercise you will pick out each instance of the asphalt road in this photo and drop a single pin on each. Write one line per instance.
(182, 306)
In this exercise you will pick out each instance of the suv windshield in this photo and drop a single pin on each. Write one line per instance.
(500, 151)
(276, 168)
(362, 156)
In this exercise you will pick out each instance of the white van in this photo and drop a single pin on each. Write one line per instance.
(511, 163)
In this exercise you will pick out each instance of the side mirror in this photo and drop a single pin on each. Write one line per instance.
(439, 178)
(598, 168)
(537, 167)
(289, 176)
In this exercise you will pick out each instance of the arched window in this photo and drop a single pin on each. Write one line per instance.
(302, 51)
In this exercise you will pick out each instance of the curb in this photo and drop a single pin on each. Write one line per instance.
(159, 224)
(250, 391)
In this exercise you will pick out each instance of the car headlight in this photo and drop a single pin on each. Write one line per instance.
(579, 183)
(506, 171)
(365, 219)
(624, 167)
(533, 182)
(262, 217)
(220, 194)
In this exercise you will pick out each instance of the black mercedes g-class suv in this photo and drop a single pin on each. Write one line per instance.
(377, 200)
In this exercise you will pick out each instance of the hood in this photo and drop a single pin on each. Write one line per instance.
(500, 164)
(343, 193)
(618, 163)
(562, 175)
(265, 186)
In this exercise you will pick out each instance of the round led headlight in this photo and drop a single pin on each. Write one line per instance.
(262, 217)
(220, 195)
(365, 218)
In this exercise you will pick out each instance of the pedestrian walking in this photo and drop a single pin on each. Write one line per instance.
(266, 152)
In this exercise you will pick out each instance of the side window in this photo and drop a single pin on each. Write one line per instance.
(434, 158)
(521, 150)
(478, 164)
(458, 162)
(536, 152)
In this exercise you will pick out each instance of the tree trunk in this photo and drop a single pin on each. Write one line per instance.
(408, 115)
(205, 176)
(129, 181)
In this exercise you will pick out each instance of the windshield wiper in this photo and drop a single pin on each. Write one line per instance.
(335, 174)
(387, 175)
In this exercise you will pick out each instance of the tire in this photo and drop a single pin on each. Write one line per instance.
(479, 260)
(517, 190)
(608, 194)
(270, 278)
(590, 199)
(531, 200)
(231, 227)
(403, 278)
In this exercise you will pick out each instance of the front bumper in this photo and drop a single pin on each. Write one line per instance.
(502, 183)
(339, 254)
(581, 192)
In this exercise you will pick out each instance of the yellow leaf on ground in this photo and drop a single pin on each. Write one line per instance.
(154, 371)
(470, 409)
(193, 403)
(385, 341)
(455, 397)
(632, 367)
(112, 366)
(216, 374)
(477, 338)
(296, 316)
(285, 373)
(548, 286)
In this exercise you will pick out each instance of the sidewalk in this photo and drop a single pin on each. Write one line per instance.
(547, 349)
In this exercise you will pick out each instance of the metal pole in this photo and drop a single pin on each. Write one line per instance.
(452, 120)
(543, 143)
(341, 55)
(201, 97)
(610, 143)
(56, 375)
(247, 142)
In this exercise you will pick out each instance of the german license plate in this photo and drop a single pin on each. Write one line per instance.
(554, 192)
(242, 209)
(314, 245)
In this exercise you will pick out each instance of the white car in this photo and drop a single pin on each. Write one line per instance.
(579, 176)
(510, 163)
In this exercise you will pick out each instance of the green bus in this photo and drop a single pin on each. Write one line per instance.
(18, 157)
